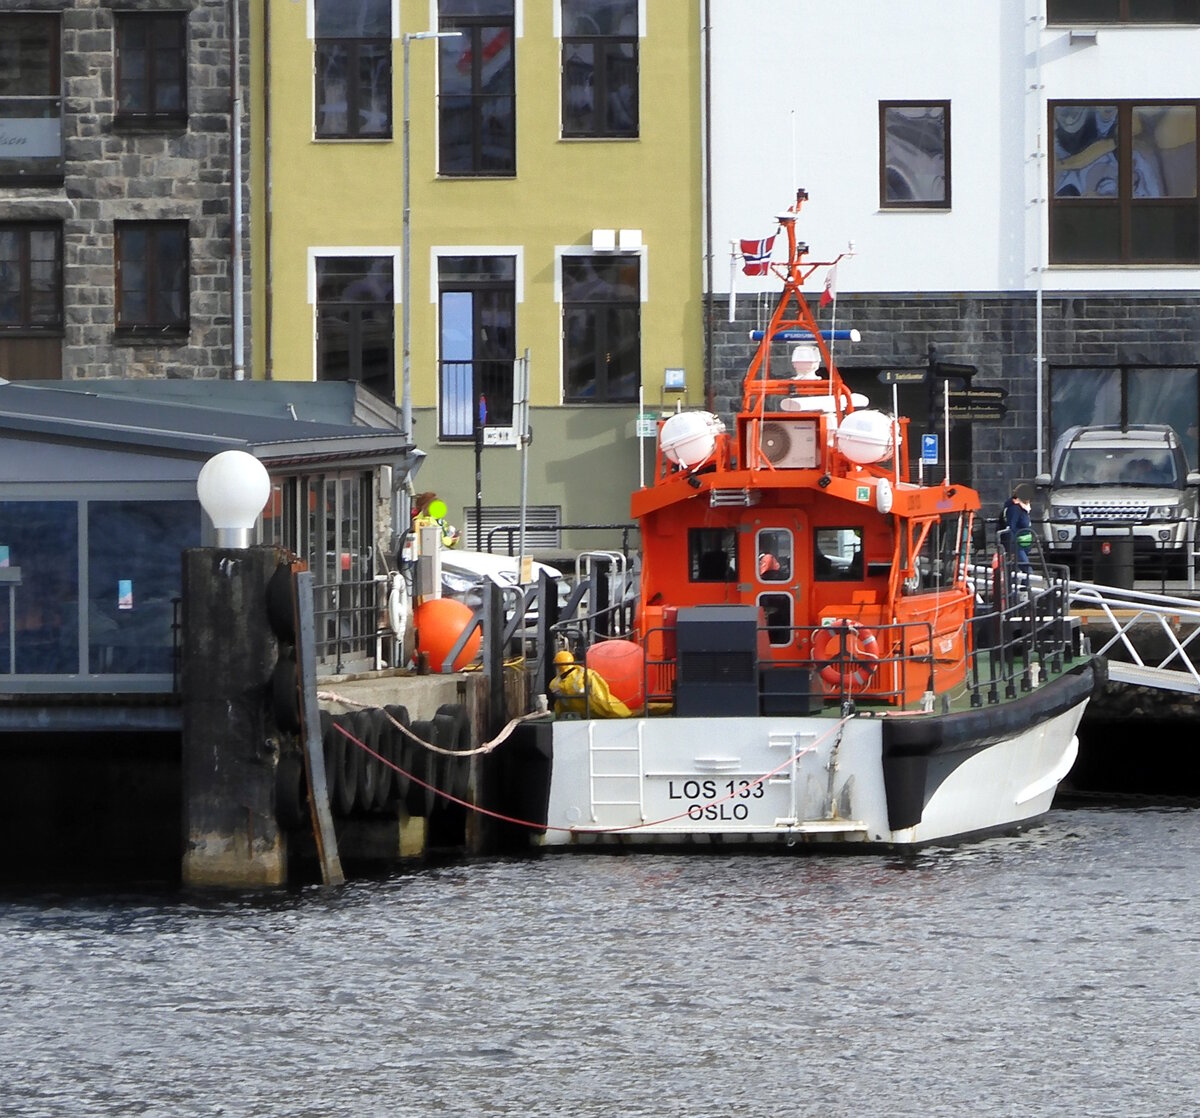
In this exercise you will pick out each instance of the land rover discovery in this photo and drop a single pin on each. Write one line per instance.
(1112, 481)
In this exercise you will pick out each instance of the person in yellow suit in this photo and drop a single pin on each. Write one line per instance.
(428, 509)
(582, 693)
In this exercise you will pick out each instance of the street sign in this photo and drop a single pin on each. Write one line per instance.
(949, 369)
(978, 396)
(903, 376)
(647, 425)
(979, 413)
(929, 448)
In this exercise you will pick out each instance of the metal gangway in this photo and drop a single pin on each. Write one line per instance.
(1163, 621)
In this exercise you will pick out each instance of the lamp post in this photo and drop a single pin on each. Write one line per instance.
(406, 248)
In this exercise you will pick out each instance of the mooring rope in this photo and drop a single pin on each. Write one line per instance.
(836, 728)
(486, 747)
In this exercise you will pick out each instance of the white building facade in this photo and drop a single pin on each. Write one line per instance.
(1019, 181)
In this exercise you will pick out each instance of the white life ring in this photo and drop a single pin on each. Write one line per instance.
(397, 605)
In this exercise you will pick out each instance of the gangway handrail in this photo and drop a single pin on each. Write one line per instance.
(1124, 609)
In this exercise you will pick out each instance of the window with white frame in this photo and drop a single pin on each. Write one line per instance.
(353, 69)
(600, 68)
(602, 319)
(477, 343)
(1122, 11)
(356, 321)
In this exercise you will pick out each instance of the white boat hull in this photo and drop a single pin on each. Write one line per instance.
(788, 780)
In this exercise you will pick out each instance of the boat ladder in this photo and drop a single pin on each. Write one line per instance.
(614, 785)
(793, 745)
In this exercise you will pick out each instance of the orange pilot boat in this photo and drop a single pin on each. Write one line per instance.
(814, 655)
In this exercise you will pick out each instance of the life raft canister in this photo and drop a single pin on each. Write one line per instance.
(848, 653)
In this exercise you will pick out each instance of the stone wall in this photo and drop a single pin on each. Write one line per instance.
(115, 172)
(995, 332)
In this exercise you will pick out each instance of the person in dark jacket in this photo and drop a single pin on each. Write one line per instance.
(1020, 527)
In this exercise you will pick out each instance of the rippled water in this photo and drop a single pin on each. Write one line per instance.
(1052, 973)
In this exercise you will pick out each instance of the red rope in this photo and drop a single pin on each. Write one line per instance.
(590, 830)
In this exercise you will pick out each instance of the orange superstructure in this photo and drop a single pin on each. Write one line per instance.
(807, 511)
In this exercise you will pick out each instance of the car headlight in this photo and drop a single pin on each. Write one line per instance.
(1064, 512)
(454, 583)
(1165, 512)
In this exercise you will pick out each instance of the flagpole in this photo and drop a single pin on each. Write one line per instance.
(732, 280)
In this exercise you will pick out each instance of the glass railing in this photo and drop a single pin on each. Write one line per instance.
(31, 138)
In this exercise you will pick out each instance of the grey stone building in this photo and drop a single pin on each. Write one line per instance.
(1115, 335)
(116, 239)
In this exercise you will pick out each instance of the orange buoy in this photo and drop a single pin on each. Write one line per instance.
(439, 623)
(621, 665)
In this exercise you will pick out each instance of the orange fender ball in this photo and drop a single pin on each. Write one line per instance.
(439, 623)
(621, 665)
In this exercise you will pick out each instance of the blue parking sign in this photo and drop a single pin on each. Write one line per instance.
(929, 448)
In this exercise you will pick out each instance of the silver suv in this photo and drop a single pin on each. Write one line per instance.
(1109, 481)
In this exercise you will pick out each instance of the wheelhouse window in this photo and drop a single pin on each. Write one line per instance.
(477, 132)
(152, 277)
(31, 141)
(353, 69)
(356, 321)
(774, 551)
(1127, 395)
(151, 67)
(712, 555)
(1123, 183)
(1122, 11)
(601, 328)
(837, 555)
(599, 68)
(914, 154)
(476, 302)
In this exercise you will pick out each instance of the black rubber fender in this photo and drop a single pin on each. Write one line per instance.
(422, 763)
(395, 745)
(379, 736)
(285, 693)
(345, 793)
(333, 745)
(291, 793)
(365, 729)
(455, 727)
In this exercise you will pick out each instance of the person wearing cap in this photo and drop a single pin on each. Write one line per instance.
(1020, 527)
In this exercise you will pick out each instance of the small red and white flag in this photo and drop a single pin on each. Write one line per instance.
(830, 292)
(756, 256)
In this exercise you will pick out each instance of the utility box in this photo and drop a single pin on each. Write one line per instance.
(718, 651)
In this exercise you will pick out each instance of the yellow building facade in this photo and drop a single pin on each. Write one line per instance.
(555, 209)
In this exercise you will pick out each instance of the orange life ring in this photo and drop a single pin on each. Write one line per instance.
(849, 654)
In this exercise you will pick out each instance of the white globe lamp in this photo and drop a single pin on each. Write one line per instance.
(233, 487)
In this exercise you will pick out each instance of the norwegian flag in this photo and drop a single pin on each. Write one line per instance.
(756, 256)
(830, 292)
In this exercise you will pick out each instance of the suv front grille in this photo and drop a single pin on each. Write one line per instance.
(1108, 512)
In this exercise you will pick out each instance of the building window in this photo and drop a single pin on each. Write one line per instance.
(1122, 11)
(353, 69)
(1123, 183)
(1123, 395)
(31, 142)
(134, 583)
(602, 342)
(152, 277)
(914, 155)
(356, 320)
(599, 68)
(151, 67)
(477, 301)
(31, 291)
(477, 132)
